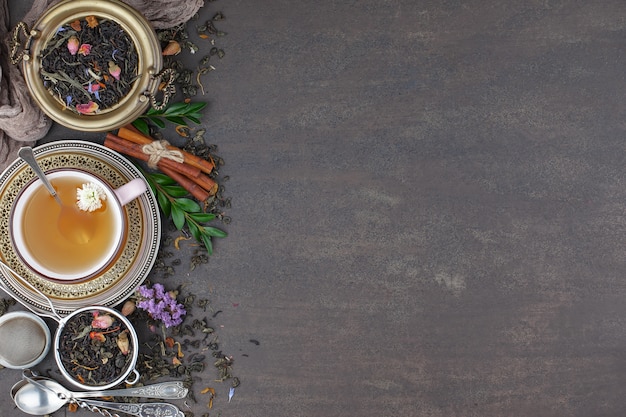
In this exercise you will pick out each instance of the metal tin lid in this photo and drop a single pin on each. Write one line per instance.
(24, 340)
(150, 62)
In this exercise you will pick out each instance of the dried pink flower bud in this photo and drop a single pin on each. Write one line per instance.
(129, 308)
(101, 321)
(84, 49)
(72, 45)
(123, 343)
(172, 48)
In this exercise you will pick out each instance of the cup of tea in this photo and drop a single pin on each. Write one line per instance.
(74, 238)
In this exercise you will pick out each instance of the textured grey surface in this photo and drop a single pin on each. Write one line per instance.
(428, 208)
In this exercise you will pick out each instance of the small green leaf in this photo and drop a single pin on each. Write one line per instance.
(188, 205)
(176, 108)
(202, 217)
(177, 120)
(178, 217)
(196, 107)
(142, 126)
(160, 123)
(193, 119)
(207, 244)
(164, 203)
(212, 231)
(162, 179)
(175, 190)
(195, 231)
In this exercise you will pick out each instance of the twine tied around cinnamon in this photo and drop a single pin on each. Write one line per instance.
(158, 149)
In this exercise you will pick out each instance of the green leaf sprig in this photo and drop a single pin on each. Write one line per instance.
(177, 113)
(175, 203)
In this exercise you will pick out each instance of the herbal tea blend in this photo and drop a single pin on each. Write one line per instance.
(95, 348)
(89, 65)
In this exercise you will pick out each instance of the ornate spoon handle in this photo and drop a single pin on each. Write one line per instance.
(173, 390)
(139, 410)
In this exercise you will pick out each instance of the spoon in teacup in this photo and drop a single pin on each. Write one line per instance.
(73, 223)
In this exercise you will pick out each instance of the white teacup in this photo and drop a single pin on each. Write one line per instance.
(44, 234)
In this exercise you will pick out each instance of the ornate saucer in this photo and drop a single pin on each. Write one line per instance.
(140, 247)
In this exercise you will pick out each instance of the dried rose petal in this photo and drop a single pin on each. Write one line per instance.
(72, 45)
(88, 108)
(103, 321)
(114, 70)
(84, 49)
(93, 87)
(76, 25)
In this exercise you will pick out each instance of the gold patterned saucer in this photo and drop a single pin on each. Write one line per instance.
(139, 251)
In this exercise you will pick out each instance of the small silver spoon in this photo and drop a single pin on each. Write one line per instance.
(26, 153)
(37, 396)
(173, 390)
(73, 223)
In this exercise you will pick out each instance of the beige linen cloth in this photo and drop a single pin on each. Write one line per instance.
(22, 123)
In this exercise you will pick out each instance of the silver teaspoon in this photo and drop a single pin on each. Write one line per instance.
(173, 390)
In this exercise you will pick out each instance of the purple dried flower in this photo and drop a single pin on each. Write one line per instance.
(160, 305)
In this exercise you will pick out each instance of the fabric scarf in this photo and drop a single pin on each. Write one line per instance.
(22, 122)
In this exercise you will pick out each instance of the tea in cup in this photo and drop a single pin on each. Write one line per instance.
(79, 238)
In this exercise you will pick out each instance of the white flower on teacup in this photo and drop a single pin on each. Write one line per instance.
(90, 197)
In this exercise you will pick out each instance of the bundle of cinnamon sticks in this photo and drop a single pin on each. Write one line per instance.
(188, 170)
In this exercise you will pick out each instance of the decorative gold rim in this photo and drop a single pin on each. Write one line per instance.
(140, 249)
(149, 63)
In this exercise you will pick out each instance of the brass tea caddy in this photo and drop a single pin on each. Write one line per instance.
(152, 80)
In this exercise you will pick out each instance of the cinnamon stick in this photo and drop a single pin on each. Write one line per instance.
(205, 182)
(133, 149)
(129, 132)
(194, 189)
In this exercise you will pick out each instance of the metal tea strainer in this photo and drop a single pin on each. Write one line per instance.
(24, 339)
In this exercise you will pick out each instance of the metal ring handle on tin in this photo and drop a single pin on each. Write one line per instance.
(168, 88)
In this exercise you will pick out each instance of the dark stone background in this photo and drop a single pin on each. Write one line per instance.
(428, 208)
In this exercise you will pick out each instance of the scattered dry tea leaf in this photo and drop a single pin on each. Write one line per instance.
(176, 361)
(72, 407)
(169, 342)
(180, 350)
(177, 241)
(182, 131)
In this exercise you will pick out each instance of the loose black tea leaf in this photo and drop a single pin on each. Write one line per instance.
(89, 65)
(95, 348)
